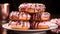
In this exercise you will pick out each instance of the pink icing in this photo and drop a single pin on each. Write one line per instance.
(14, 14)
(13, 22)
(24, 15)
(29, 15)
(54, 20)
(27, 24)
(47, 23)
(32, 5)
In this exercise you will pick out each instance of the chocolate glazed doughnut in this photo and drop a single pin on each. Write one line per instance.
(34, 25)
(37, 17)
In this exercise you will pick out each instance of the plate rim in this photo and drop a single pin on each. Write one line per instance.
(3, 25)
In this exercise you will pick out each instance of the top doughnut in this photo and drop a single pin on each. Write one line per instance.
(32, 7)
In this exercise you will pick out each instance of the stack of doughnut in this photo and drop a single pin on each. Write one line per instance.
(29, 12)
(19, 20)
